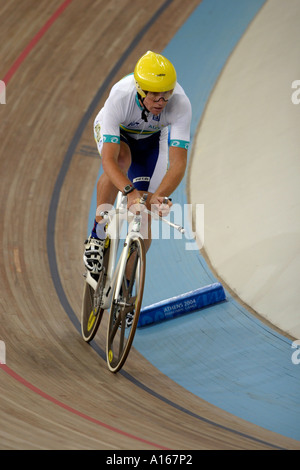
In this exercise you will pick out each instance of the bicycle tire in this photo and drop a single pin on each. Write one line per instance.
(90, 316)
(119, 339)
(91, 313)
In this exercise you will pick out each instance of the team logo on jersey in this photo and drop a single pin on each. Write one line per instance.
(156, 118)
(97, 132)
(141, 178)
(134, 124)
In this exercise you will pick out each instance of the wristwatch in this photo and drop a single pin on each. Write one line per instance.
(128, 188)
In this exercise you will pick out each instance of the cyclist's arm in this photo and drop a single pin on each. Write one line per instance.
(110, 154)
(175, 173)
(179, 116)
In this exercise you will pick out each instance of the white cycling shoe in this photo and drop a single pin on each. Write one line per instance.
(93, 254)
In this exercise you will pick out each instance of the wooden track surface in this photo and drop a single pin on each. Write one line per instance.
(56, 391)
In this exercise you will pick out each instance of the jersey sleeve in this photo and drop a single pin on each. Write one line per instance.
(180, 122)
(112, 116)
(110, 127)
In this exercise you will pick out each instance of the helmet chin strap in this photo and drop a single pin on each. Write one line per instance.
(145, 111)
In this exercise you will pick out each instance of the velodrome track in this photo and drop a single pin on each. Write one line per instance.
(58, 60)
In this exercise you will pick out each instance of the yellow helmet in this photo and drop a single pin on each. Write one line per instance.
(153, 72)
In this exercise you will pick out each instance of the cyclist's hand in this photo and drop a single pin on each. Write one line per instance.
(160, 205)
(133, 200)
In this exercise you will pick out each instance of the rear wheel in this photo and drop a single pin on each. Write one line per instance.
(126, 300)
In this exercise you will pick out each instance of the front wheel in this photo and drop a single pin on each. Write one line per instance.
(126, 304)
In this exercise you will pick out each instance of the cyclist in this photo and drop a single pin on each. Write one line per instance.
(144, 123)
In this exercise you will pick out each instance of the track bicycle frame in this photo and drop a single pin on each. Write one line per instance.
(116, 218)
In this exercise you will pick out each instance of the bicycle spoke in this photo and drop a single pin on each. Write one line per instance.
(124, 288)
(133, 271)
(115, 326)
(122, 335)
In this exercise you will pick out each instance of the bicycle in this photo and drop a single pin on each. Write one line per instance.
(119, 287)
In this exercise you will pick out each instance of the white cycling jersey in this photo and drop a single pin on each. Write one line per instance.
(123, 112)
